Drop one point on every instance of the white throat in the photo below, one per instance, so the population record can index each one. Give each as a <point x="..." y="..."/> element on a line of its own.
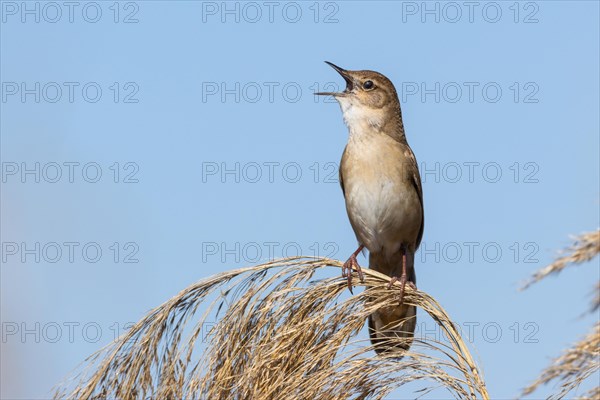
<point x="358" y="118"/>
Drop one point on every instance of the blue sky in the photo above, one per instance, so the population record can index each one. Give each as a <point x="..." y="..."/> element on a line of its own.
<point x="184" y="136"/>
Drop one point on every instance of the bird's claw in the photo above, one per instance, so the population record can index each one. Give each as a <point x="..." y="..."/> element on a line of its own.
<point x="347" y="271"/>
<point x="403" y="282"/>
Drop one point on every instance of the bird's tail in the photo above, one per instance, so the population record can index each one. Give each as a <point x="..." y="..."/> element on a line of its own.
<point x="389" y="324"/>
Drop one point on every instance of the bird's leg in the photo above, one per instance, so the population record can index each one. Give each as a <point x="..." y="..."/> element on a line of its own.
<point x="403" y="277"/>
<point x="347" y="268"/>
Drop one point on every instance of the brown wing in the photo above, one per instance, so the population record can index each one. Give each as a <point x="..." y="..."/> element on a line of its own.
<point x="415" y="178"/>
<point x="340" y="173"/>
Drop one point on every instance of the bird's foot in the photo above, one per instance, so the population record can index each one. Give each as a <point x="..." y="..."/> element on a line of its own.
<point x="349" y="265"/>
<point x="403" y="282"/>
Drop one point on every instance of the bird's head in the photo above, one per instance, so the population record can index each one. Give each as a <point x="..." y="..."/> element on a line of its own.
<point x="369" y="98"/>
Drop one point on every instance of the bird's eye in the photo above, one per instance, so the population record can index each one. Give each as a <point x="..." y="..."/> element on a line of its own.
<point x="368" y="85"/>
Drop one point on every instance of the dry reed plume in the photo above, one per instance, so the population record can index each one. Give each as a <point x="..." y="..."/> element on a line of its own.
<point x="281" y="334"/>
<point x="586" y="247"/>
<point x="581" y="360"/>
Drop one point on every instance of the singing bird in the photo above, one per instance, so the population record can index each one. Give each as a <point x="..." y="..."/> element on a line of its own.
<point x="381" y="184"/>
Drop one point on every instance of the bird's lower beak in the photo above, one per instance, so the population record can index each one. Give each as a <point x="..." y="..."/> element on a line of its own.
<point x="347" y="78"/>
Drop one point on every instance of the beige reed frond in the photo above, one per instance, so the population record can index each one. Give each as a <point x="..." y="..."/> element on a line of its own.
<point x="593" y="394"/>
<point x="583" y="359"/>
<point x="573" y="367"/>
<point x="586" y="247"/>
<point x="278" y="333"/>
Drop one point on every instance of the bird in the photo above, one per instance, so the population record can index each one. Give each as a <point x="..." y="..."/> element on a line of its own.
<point x="382" y="188"/>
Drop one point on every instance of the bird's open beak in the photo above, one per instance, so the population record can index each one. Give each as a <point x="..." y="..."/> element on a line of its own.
<point x="347" y="78"/>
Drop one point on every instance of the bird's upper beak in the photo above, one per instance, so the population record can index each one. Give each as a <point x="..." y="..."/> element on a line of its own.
<point x="347" y="77"/>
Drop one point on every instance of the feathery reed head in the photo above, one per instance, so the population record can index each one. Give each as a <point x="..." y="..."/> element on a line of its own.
<point x="581" y="360"/>
<point x="278" y="334"/>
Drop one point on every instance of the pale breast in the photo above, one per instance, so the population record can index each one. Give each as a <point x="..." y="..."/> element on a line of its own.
<point x="382" y="203"/>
